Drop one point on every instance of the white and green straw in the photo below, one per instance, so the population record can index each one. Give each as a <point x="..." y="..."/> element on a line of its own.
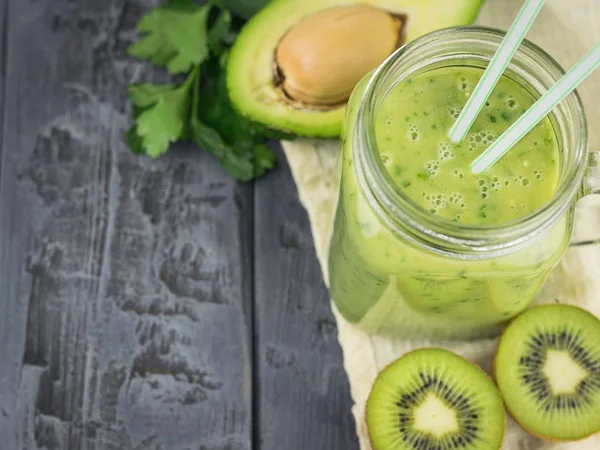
<point x="485" y="86"/>
<point x="538" y="111"/>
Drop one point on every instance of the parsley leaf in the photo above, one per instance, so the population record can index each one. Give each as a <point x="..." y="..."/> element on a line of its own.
<point x="263" y="158"/>
<point x="218" y="129"/>
<point x="134" y="141"/>
<point x="175" y="36"/>
<point x="143" y="95"/>
<point x="192" y="39"/>
<point x="238" y="166"/>
<point x="162" y="114"/>
<point x="242" y="135"/>
<point x="220" y="35"/>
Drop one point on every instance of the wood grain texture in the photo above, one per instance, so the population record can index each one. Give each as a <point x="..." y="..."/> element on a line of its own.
<point x="125" y="306"/>
<point x="4" y="31"/>
<point x="10" y="366"/>
<point x="302" y="396"/>
<point x="126" y="285"/>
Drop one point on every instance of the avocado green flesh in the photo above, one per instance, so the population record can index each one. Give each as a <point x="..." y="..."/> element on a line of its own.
<point x="249" y="71"/>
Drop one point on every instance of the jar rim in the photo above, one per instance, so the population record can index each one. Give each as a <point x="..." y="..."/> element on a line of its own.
<point x="455" y="237"/>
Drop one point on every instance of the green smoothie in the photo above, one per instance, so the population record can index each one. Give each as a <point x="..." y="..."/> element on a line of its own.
<point x="382" y="282"/>
<point x="435" y="174"/>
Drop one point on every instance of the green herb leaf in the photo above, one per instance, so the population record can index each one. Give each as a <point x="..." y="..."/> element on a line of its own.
<point x="263" y="158"/>
<point x="220" y="32"/>
<point x="220" y="130"/>
<point x="134" y="141"/>
<point x="174" y="36"/>
<point x="205" y="137"/>
<point x="164" y="117"/>
<point x="192" y="39"/>
<point x="144" y="95"/>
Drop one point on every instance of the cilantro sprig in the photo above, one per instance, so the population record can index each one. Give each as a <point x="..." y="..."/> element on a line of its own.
<point x="194" y="40"/>
<point x="161" y="113"/>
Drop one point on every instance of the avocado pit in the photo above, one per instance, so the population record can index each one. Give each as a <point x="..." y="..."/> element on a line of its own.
<point x="318" y="61"/>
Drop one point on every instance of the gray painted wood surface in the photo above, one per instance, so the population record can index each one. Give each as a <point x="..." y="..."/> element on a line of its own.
<point x="302" y="389"/>
<point x="145" y="304"/>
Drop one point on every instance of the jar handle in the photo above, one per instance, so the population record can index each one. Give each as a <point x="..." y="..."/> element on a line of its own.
<point x="587" y="211"/>
<point x="593" y="175"/>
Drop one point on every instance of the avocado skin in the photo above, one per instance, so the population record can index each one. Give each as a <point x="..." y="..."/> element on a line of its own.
<point x="318" y="124"/>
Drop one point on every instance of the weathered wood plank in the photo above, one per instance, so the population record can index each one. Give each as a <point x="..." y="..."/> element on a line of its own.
<point x="124" y="307"/>
<point x="302" y="393"/>
<point x="8" y="374"/>
<point x="3" y="56"/>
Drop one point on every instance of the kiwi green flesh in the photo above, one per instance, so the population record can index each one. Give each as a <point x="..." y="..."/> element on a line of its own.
<point x="548" y="370"/>
<point x="431" y="399"/>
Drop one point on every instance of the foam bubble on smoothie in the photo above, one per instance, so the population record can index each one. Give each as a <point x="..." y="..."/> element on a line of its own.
<point x="430" y="199"/>
<point x="472" y="141"/>
<point x="446" y="152"/>
<point x="511" y="102"/>
<point x="413" y="132"/>
<point x="458" y="199"/>
<point x="496" y="184"/>
<point x="463" y="83"/>
<point x="458" y="173"/>
<point x="538" y="174"/>
<point x="483" y="188"/>
<point x="436" y="201"/>
<point x="433" y="167"/>
<point x="480" y="138"/>
<point x="521" y="180"/>
<point x="455" y="112"/>
<point x="487" y="137"/>
<point x="441" y="200"/>
<point x="385" y="159"/>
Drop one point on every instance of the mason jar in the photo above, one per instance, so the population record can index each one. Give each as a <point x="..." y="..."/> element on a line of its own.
<point x="395" y="268"/>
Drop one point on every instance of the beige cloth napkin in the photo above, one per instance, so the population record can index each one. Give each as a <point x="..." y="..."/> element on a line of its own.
<point x="565" y="28"/>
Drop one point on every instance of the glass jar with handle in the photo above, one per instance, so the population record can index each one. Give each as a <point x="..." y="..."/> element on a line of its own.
<point x="398" y="263"/>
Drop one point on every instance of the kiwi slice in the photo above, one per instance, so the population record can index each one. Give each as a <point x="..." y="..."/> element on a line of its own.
<point x="432" y="399"/>
<point x="548" y="370"/>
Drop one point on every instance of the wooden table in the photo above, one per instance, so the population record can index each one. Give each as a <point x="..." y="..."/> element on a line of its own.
<point x="145" y="304"/>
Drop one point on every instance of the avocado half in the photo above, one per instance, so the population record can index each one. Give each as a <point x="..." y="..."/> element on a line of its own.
<point x="254" y="79"/>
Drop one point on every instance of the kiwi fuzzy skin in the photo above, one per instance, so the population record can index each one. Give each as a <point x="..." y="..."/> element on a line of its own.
<point x="495" y="364"/>
<point x="454" y="353"/>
